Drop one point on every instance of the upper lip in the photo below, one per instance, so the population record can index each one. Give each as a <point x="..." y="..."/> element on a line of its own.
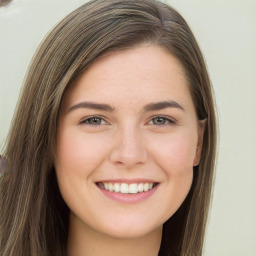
<point x="127" y="181"/>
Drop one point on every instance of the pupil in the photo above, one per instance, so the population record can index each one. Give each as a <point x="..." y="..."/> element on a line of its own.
<point x="159" y="120"/>
<point x="95" y="121"/>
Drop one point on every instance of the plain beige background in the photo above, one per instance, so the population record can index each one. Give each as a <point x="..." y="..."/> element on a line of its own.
<point x="226" y="32"/>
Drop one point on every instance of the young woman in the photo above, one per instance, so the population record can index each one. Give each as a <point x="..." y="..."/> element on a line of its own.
<point x="112" y="147"/>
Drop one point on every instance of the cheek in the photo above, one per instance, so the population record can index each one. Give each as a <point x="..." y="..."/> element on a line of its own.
<point x="175" y="159"/>
<point x="77" y="157"/>
<point x="78" y="152"/>
<point x="175" y="153"/>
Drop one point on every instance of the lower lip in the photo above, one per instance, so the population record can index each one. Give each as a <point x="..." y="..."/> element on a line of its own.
<point x="129" y="198"/>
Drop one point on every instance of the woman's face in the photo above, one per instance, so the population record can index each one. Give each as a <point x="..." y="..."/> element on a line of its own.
<point x="128" y="138"/>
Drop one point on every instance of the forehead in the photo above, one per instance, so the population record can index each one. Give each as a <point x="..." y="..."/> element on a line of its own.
<point x="141" y="74"/>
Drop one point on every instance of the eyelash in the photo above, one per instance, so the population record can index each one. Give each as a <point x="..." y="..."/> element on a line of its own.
<point x="167" y="121"/>
<point x="87" y="120"/>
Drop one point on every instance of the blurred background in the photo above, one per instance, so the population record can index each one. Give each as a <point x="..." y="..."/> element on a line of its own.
<point x="226" y="32"/>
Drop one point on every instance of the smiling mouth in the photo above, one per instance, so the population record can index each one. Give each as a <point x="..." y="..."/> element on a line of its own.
<point x="124" y="188"/>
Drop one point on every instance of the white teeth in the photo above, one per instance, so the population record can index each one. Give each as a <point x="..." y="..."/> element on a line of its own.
<point x="146" y="187"/>
<point x="141" y="187"/>
<point x="133" y="188"/>
<point x="116" y="187"/>
<point x="125" y="188"/>
<point x="110" y="187"/>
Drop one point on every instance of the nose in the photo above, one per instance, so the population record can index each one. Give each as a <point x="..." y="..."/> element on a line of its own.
<point x="129" y="150"/>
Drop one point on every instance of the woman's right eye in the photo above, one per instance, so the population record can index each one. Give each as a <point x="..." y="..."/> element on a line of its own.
<point x="93" y="121"/>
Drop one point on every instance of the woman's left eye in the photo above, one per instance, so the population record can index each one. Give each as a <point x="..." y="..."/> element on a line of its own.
<point x="159" y="121"/>
<point x="94" y="120"/>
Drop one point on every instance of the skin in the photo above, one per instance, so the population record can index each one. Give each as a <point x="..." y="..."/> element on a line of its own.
<point x="126" y="142"/>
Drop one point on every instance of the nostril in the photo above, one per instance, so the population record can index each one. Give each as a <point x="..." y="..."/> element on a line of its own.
<point x="129" y="163"/>
<point x="129" y="156"/>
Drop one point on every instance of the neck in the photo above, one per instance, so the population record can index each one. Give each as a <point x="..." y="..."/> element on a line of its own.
<point x="88" y="242"/>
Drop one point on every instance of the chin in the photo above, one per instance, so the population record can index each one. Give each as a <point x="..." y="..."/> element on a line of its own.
<point x="129" y="227"/>
<point x="131" y="232"/>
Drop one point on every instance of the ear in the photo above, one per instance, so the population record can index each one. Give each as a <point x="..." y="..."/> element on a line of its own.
<point x="200" y="131"/>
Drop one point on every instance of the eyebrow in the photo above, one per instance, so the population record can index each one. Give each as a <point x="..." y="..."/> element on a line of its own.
<point x="162" y="105"/>
<point x="105" y="107"/>
<point x="92" y="105"/>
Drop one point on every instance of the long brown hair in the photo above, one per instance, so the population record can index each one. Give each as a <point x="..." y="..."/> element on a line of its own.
<point x="34" y="217"/>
